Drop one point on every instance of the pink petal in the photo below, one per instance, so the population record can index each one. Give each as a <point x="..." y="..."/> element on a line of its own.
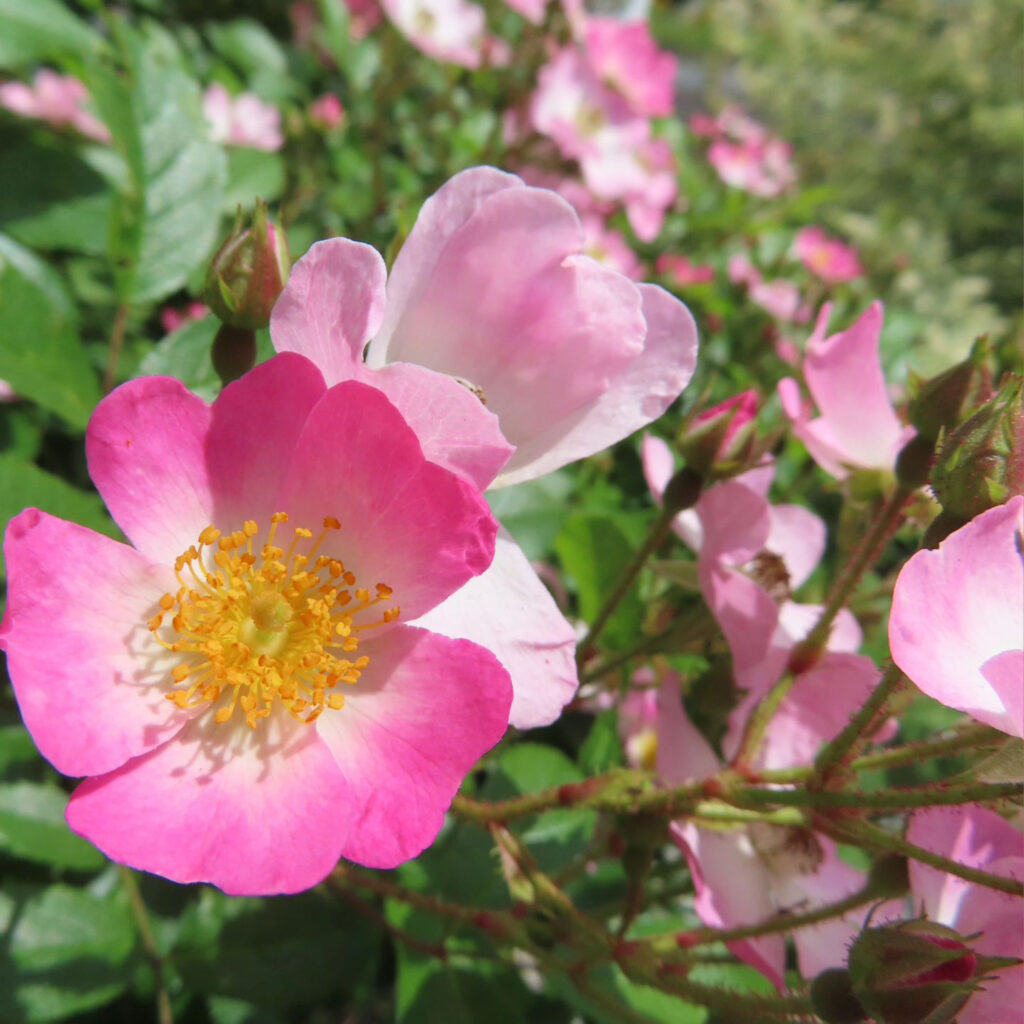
<point x="508" y="610"/>
<point x="404" y="521"/>
<point x="146" y="450"/>
<point x="454" y="427"/>
<point x="88" y="678"/>
<point x="332" y="305"/>
<point x="255" y="426"/>
<point x="425" y="710"/>
<point x="636" y="396"/>
<point x="254" y="812"/>
<point x="844" y="375"/>
<point x="732" y="888"/>
<point x="499" y="299"/>
<point x="798" y="536"/>
<point x="683" y="753"/>
<point x="659" y="466"/>
<point x="955" y="626"/>
<point x="736" y="522"/>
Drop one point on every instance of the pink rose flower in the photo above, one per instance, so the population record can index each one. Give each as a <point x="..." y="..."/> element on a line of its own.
<point x="625" y="57"/>
<point x="326" y="112"/>
<point x="235" y="683"/>
<point x="60" y="100"/>
<point x="447" y="30"/>
<point x="827" y="257"/>
<point x="682" y="272"/>
<point x="858" y="427"/>
<point x="748" y="874"/>
<point x="243" y="120"/>
<point x="957" y="622"/>
<point x="978" y="838"/>
<point x="763" y="169"/>
<point x="780" y="298"/>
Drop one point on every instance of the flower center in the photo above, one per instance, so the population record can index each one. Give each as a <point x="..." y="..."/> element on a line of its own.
<point x="255" y="626"/>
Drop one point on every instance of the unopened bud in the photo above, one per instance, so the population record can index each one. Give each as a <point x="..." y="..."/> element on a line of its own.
<point x="944" y="402"/>
<point x="249" y="271"/>
<point x="913" y="972"/>
<point x="889" y="877"/>
<point x="682" y="491"/>
<point x="914" y="462"/>
<point x="981" y="463"/>
<point x="720" y="441"/>
<point x="233" y="353"/>
<point x="833" y="998"/>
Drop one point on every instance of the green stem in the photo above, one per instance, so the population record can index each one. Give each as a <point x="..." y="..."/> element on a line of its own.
<point x="658" y="532"/>
<point x="865" y="834"/>
<point x="881" y="799"/>
<point x="832" y="754"/>
<point x="971" y="737"/>
<point x="141" y="916"/>
<point x="115" y="345"/>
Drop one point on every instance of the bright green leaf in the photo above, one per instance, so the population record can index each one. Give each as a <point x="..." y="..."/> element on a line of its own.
<point x="32" y="826"/>
<point x="37" y="30"/>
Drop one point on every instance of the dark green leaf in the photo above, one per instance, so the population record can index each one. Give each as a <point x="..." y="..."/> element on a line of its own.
<point x="16" y="747"/>
<point x="185" y="354"/>
<point x="40" y="353"/>
<point x="446" y="993"/>
<point x="602" y="749"/>
<point x="36" y="30"/>
<point x="32" y="826"/>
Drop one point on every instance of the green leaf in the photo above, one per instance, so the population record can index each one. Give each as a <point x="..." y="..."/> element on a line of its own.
<point x="252" y="174"/>
<point x="285" y="951"/>
<point x="185" y="354"/>
<point x="446" y="993"/>
<point x="167" y="216"/>
<point x="16" y="747"/>
<point x="40" y="353"/>
<point x="534" y="512"/>
<point x="32" y="826"/>
<point x="66" y="952"/>
<point x="25" y="485"/>
<point x="53" y="200"/>
<point x="602" y="749"/>
<point x="37" y="30"/>
<point x="595" y="549"/>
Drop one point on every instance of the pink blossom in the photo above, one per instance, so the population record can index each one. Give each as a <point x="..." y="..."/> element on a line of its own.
<point x="780" y="298"/>
<point x="363" y="17"/>
<point x="625" y="57"/>
<point x="532" y="10"/>
<point x="977" y="838"/>
<point x="326" y="112"/>
<point x="704" y="125"/>
<point x="957" y="622"/>
<point x="7" y="393"/>
<point x="243" y="120"/>
<point x="489" y="298"/>
<point x="174" y="317"/>
<point x="638" y="720"/>
<point x="742" y="271"/>
<point x="857" y="427"/>
<point x="609" y="248"/>
<point x="833" y="261"/>
<point x="57" y="99"/>
<point x="682" y="272"/>
<point x="447" y="30"/>
<point x="763" y="168"/>
<point x="252" y="770"/>
<point x="750" y="874"/>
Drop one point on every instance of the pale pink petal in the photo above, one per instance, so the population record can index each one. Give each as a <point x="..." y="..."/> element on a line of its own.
<point x="405" y="522"/>
<point x="146" y="450"/>
<point x="89" y="679"/>
<point x="957" y="612"/>
<point x="635" y="397"/>
<point x="736" y="520"/>
<point x="732" y="888"/>
<point x="659" y="466"/>
<point x="332" y="305"/>
<point x="252" y="811"/>
<point x="256" y="423"/>
<point x="845" y="378"/>
<point x="424" y="711"/>
<point x="454" y="427"/>
<point x="816" y="435"/>
<point x="798" y="536"/>
<point x="508" y="610"/>
<point x="683" y="753"/>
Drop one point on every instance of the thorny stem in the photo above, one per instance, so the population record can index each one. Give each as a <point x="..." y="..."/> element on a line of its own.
<point x="870" y="836"/>
<point x="153" y="954"/>
<point x="115" y="345"/>
<point x="658" y="532"/>
<point x="346" y="875"/>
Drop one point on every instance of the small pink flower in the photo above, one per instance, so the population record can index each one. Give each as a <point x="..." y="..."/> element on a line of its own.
<point x="957" y="621"/>
<point x="764" y="169"/>
<point x="57" y="99"/>
<point x="447" y="30"/>
<point x="326" y="112"/>
<point x="780" y="298"/>
<point x="682" y="272"/>
<point x="173" y="317"/>
<point x="977" y="838"/>
<point x="532" y="10"/>
<point x="235" y="684"/>
<point x="742" y="271"/>
<point x="491" y="300"/>
<point x="857" y="427"/>
<point x="704" y="125"/>
<point x="609" y="248"/>
<point x="832" y="260"/>
<point x="625" y="57"/>
<point x="638" y="720"/>
<point x="243" y="120"/>
<point x="363" y="17"/>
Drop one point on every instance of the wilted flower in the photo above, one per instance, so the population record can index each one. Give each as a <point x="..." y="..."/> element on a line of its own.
<point x="236" y="684"/>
